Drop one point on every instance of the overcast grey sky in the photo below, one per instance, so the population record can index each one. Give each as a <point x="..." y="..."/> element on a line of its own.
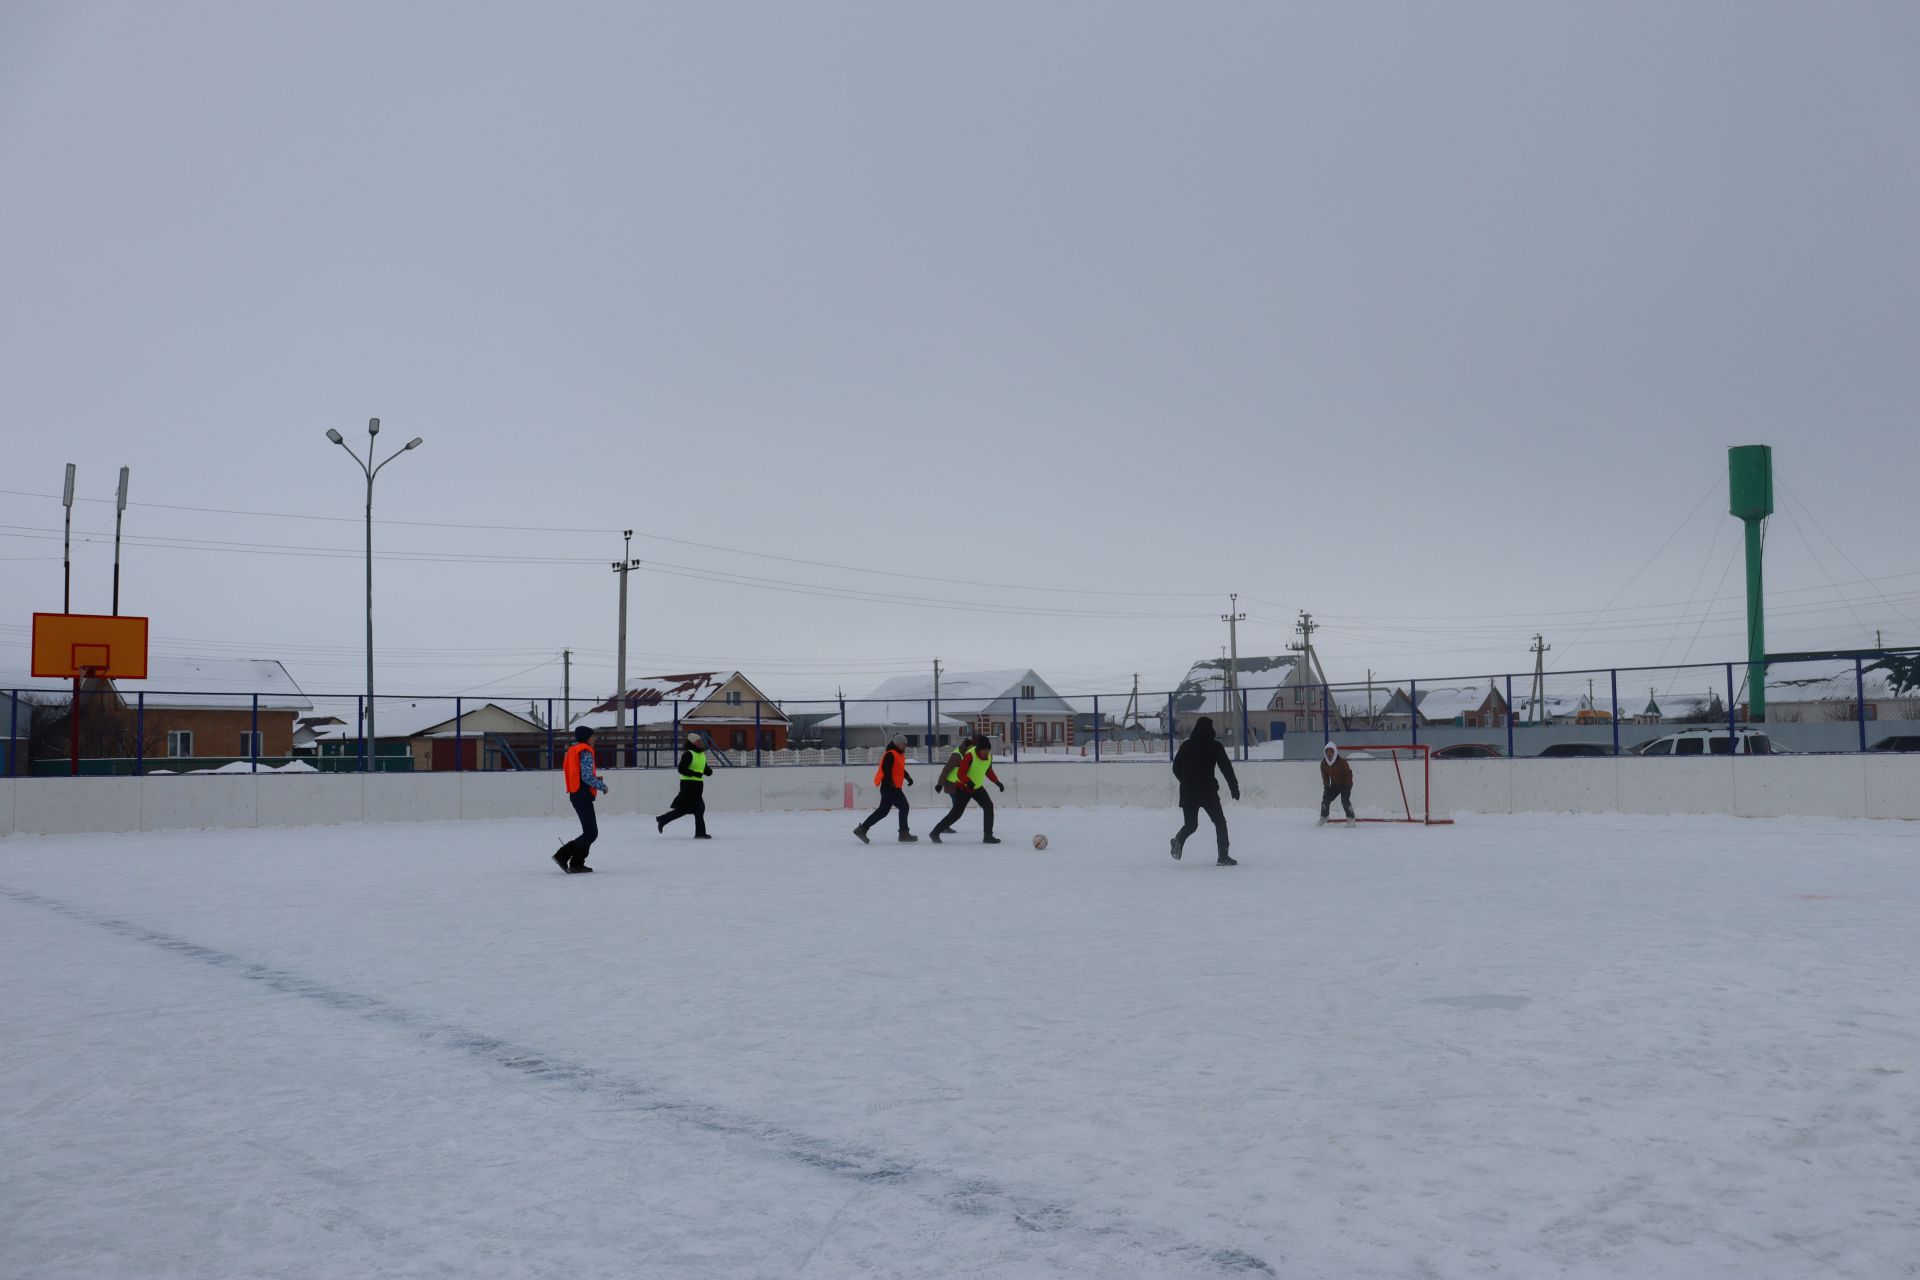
<point x="1433" y="319"/>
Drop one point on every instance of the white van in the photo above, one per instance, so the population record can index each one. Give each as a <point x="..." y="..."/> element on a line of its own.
<point x="1708" y="742"/>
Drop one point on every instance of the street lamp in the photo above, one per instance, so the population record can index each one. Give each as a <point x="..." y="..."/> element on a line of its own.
<point x="370" y="470"/>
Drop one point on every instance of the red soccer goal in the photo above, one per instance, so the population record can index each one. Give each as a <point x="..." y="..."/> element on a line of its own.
<point x="1396" y="777"/>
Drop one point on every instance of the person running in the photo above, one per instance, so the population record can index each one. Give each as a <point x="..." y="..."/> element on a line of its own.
<point x="582" y="781"/>
<point x="890" y="777"/>
<point x="692" y="798"/>
<point x="1194" y="764"/>
<point x="1336" y="779"/>
<point x="966" y="783"/>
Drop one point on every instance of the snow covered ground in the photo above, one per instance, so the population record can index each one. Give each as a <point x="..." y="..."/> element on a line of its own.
<point x="1519" y="1046"/>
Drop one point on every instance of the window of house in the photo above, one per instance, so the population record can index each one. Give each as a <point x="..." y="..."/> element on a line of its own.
<point x="738" y="737"/>
<point x="1026" y="691"/>
<point x="179" y="742"/>
<point x="250" y="744"/>
<point x="913" y="739"/>
<point x="733" y="697"/>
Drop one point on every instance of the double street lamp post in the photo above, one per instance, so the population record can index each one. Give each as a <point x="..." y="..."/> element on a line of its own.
<point x="370" y="469"/>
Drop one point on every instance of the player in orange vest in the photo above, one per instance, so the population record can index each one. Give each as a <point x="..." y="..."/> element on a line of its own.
<point x="582" y="781"/>
<point x="890" y="777"/>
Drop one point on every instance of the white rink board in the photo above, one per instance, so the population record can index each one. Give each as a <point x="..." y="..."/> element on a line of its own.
<point x="1846" y="786"/>
<point x="1526" y="1046"/>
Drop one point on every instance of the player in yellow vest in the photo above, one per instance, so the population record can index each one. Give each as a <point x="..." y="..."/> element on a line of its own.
<point x="692" y="799"/>
<point x="968" y="782"/>
<point x="582" y="781"/>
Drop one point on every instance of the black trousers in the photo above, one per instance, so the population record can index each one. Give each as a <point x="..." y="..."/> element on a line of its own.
<point x="691" y="800"/>
<point x="578" y="847"/>
<point x="1329" y="791"/>
<point x="890" y="798"/>
<point x="1190" y="810"/>
<point x="980" y="797"/>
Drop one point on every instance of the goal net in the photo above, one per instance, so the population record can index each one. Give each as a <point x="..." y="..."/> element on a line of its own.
<point x="1392" y="783"/>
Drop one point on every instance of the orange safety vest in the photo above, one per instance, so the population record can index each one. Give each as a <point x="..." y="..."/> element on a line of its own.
<point x="574" y="753"/>
<point x="892" y="763"/>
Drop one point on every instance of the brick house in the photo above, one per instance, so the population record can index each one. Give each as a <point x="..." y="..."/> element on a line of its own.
<point x="727" y="707"/>
<point x="203" y="709"/>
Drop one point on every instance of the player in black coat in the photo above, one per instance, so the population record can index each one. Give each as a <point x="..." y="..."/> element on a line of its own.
<point x="1194" y="764"/>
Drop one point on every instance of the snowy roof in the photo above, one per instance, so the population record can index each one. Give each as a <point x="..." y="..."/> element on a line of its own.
<point x="216" y="683"/>
<point x="1446" y="702"/>
<point x="655" y="700"/>
<point x="394" y="718"/>
<point x="1803" y="683"/>
<point x="1205" y="687"/>
<point x="971" y="692"/>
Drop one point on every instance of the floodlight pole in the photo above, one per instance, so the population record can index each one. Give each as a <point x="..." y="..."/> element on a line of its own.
<point x="119" y="512"/>
<point x="66" y="553"/>
<point x="370" y="471"/>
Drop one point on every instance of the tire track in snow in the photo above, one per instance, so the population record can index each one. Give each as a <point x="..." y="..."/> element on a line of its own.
<point x="968" y="1196"/>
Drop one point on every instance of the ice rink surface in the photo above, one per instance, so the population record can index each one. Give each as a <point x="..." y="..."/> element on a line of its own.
<point x="1522" y="1046"/>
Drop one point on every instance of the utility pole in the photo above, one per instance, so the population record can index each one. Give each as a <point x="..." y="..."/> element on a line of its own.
<point x="934" y="732"/>
<point x="1132" y="717"/>
<point x="119" y="510"/>
<point x="1370" y="723"/>
<point x="566" y="688"/>
<point x="1538" y="696"/>
<point x="627" y="564"/>
<point x="1233" y="618"/>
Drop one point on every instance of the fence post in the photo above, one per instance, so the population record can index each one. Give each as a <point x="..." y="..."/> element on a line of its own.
<point x="676" y="728"/>
<point x="549" y="733"/>
<point x="633" y="739"/>
<point x="1614" y="676"/>
<point x="1413" y="709"/>
<point x="253" y="739"/>
<point x="1326" y="716"/>
<point x="360" y="726"/>
<point x="459" y="738"/>
<point x="13" y="732"/>
<point x="1013" y="729"/>
<point x="1096" y="728"/>
<point x="1860" y="700"/>
<point x="1509" y="717"/>
<point x="756" y="733"/>
<point x="843" y="734"/>
<point x="1733" y="724"/>
<point x="1173" y="726"/>
<point x="1243" y="726"/>
<point x="929" y="731"/>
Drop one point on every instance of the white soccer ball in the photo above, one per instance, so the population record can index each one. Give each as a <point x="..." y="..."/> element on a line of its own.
<point x="1039" y="842"/>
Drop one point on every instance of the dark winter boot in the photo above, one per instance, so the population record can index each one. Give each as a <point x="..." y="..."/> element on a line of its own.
<point x="1173" y="847"/>
<point x="907" y="837"/>
<point x="860" y="833"/>
<point x="934" y="835"/>
<point x="1226" y="860"/>
<point x="562" y="856"/>
<point x="989" y="839"/>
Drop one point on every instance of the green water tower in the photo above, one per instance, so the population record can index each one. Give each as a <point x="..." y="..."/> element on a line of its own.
<point x="1750" y="499"/>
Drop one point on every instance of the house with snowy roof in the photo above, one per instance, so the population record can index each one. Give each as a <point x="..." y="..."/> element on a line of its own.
<point x="1823" y="692"/>
<point x="1473" y="706"/>
<point x="999" y="704"/>
<point x="418" y="734"/>
<point x="206" y="708"/>
<point x="732" y="711"/>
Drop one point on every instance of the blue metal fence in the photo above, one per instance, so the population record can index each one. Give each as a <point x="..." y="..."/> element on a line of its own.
<point x="1850" y="701"/>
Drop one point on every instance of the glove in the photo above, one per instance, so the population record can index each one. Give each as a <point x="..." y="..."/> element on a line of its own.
<point x="909" y="779"/>
<point x="1234" y="792"/>
<point x="1001" y="785"/>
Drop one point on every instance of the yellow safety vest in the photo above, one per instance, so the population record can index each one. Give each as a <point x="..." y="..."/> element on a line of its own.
<point x="699" y="763"/>
<point x="977" y="766"/>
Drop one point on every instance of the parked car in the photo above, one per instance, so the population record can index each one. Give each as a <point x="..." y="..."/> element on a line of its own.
<point x="1898" y="742"/>
<point x="1708" y="742"/>
<point x="1562" y="750"/>
<point x="1468" y="751"/>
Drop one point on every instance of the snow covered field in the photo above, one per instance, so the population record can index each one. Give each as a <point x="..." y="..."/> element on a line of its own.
<point x="1519" y="1046"/>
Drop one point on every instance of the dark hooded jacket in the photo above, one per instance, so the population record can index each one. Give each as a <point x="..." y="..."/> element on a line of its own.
<point x="1195" y="762"/>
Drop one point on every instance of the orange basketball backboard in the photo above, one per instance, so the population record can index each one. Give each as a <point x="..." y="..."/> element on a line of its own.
<point x="69" y="645"/>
